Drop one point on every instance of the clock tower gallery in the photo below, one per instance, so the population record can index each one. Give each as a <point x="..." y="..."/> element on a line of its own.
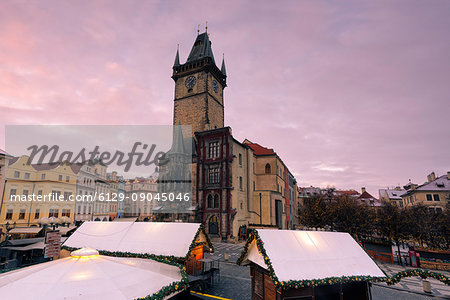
<point x="199" y="86"/>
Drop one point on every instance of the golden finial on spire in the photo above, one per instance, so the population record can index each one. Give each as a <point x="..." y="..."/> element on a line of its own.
<point x="206" y="27"/>
<point x="198" y="29"/>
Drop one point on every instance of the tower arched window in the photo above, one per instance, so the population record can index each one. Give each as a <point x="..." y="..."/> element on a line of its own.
<point x="216" y="201"/>
<point x="268" y="169"/>
<point x="209" y="202"/>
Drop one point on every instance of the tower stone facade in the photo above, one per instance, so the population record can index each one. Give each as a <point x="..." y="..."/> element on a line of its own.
<point x="199" y="86"/>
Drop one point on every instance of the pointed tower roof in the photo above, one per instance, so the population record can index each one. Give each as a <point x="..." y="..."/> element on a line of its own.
<point x="177" y="58"/>
<point x="223" y="69"/>
<point x="178" y="140"/>
<point x="201" y="48"/>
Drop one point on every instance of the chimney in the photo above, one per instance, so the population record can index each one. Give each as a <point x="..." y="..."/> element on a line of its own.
<point x="448" y="175"/>
<point x="363" y="189"/>
<point x="431" y="177"/>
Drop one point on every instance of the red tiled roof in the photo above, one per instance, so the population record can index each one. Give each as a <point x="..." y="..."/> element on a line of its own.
<point x="366" y="195"/>
<point x="349" y="193"/>
<point x="259" y="150"/>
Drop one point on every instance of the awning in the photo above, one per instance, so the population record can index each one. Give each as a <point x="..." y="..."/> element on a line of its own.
<point x="157" y="208"/>
<point x="125" y="220"/>
<point x="25" y="230"/>
<point x="38" y="245"/>
<point x="192" y="208"/>
<point x="65" y="230"/>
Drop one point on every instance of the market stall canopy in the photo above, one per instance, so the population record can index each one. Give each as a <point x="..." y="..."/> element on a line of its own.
<point x="165" y="239"/>
<point x="35" y="246"/>
<point x="87" y="275"/>
<point x="125" y="219"/>
<point x="65" y="230"/>
<point x="308" y="255"/>
<point x="18" y="230"/>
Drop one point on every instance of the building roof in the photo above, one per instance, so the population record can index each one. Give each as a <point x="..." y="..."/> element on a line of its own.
<point x="309" y="255"/>
<point x="441" y="183"/>
<point x="92" y="277"/>
<point x="347" y="193"/>
<point x="201" y="48"/>
<point x="3" y="153"/>
<point x="166" y="239"/>
<point x="258" y="149"/>
<point x="393" y="194"/>
<point x="366" y="195"/>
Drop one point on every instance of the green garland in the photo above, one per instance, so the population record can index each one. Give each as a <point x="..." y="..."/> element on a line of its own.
<point x="417" y="273"/>
<point x="166" y="291"/>
<point x="280" y="285"/>
<point x="170" y="260"/>
<point x="194" y="244"/>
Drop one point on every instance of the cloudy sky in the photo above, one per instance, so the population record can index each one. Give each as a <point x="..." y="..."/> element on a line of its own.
<point x="348" y="93"/>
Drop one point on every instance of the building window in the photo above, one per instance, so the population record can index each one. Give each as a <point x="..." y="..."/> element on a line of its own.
<point x="209" y="201"/>
<point x="213" y="175"/>
<point x="9" y="214"/>
<point x="16" y="174"/>
<point x="56" y="195"/>
<point x="25" y="193"/>
<point x="216" y="201"/>
<point x="27" y="175"/>
<point x="429" y="197"/>
<point x="67" y="178"/>
<point x="65" y="213"/>
<point x="53" y="212"/>
<point x="436" y="197"/>
<point x="67" y="195"/>
<point x="254" y="187"/>
<point x="213" y="150"/>
<point x="240" y="159"/>
<point x="22" y="214"/>
<point x="60" y="177"/>
<point x="13" y="192"/>
<point x="240" y="182"/>
<point x="43" y="176"/>
<point x="37" y="213"/>
<point x="268" y="169"/>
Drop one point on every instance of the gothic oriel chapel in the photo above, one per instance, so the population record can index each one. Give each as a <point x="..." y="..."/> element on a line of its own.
<point x="235" y="185"/>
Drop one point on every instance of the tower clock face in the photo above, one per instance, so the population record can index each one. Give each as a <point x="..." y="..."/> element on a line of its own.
<point x="215" y="86"/>
<point x="190" y="82"/>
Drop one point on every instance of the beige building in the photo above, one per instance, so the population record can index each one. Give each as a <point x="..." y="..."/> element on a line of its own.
<point x="393" y="196"/>
<point x="102" y="193"/>
<point x="434" y="194"/>
<point x="37" y="191"/>
<point x="140" y="198"/>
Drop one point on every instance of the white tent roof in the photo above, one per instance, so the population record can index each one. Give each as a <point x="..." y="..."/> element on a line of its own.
<point x="92" y="277"/>
<point x="136" y="237"/>
<point x="308" y="255"/>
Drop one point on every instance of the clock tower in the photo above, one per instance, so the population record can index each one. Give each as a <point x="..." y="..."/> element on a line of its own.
<point x="199" y="86"/>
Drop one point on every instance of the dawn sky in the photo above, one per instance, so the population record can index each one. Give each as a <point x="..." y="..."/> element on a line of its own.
<point x="348" y="93"/>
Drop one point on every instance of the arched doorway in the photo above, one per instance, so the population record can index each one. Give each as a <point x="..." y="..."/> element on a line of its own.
<point x="213" y="225"/>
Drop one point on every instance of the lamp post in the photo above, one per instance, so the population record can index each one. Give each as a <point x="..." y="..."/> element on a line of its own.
<point x="260" y="210"/>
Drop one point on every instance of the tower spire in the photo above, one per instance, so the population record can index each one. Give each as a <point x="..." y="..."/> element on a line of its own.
<point x="177" y="57"/>
<point x="206" y="27"/>
<point x="223" y="69"/>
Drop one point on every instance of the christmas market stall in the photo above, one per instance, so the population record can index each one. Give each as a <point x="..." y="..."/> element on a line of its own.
<point x="290" y="264"/>
<point x="87" y="275"/>
<point x="181" y="243"/>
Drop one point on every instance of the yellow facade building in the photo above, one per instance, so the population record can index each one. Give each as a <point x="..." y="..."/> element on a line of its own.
<point x="434" y="194"/>
<point x="33" y="192"/>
